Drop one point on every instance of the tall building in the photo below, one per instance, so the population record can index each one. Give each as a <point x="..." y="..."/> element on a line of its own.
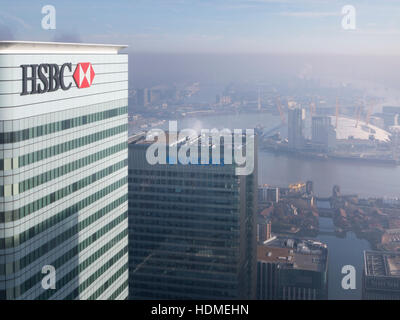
<point x="192" y="229"/>
<point x="263" y="228"/>
<point x="266" y="194"/>
<point x="381" y="277"/>
<point x="309" y="187"/>
<point x="296" y="128"/>
<point x="323" y="132"/>
<point x="390" y="116"/>
<point x="143" y="97"/>
<point x="292" y="269"/>
<point x="155" y="95"/>
<point x="63" y="171"/>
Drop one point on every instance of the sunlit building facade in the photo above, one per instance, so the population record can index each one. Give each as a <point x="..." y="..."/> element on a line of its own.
<point x="63" y="171"/>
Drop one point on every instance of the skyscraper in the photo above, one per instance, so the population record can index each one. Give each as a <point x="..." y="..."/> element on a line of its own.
<point x="264" y="228"/>
<point x="323" y="132"/>
<point x="63" y="171"/>
<point x="295" y="128"/>
<point x="192" y="229"/>
<point x="143" y="97"/>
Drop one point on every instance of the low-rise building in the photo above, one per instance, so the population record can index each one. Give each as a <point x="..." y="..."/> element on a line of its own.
<point x="292" y="269"/>
<point x="381" y="277"/>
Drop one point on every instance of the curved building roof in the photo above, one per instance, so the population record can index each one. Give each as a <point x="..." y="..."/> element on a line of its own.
<point x="347" y="128"/>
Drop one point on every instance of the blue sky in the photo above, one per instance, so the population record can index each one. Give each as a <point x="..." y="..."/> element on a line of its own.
<point x="219" y="26"/>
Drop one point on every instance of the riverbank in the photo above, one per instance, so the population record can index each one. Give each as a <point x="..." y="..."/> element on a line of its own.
<point x="328" y="156"/>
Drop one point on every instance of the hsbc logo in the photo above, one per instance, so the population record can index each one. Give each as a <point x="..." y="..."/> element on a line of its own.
<point x="50" y="77"/>
<point x="84" y="75"/>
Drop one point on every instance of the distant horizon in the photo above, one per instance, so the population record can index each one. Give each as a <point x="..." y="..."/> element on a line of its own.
<point x="248" y="26"/>
<point x="229" y="40"/>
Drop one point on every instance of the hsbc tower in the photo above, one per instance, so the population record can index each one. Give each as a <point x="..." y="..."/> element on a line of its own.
<point x="63" y="171"/>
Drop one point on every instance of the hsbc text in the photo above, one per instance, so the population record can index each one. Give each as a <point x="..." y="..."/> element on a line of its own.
<point x="44" y="77"/>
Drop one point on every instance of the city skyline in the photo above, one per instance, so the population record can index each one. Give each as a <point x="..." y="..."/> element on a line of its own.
<point x="187" y="149"/>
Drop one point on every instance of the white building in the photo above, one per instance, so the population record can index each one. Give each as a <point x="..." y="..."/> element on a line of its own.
<point x="63" y="170"/>
<point x="347" y="128"/>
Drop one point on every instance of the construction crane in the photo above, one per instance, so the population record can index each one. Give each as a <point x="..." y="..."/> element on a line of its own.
<point x="282" y="115"/>
<point x="337" y="112"/>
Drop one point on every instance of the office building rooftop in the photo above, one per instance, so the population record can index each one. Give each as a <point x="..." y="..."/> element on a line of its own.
<point x="166" y="138"/>
<point x="382" y="264"/>
<point x="33" y="47"/>
<point x="294" y="253"/>
<point x="172" y="138"/>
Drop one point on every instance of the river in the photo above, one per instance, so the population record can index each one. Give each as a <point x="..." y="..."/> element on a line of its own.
<point x="364" y="179"/>
<point x="341" y="252"/>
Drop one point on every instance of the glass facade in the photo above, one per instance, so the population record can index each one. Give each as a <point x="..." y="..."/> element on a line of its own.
<point x="63" y="191"/>
<point x="191" y="230"/>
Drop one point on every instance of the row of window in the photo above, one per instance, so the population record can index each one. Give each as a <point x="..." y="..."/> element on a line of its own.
<point x="95" y="256"/>
<point x="186" y="251"/>
<point x="99" y="272"/>
<point x="63" y="170"/>
<point x="187" y="183"/>
<point x="69" y="167"/>
<point x="10" y="242"/>
<point x="61" y="193"/>
<point x="206" y="278"/>
<point x="186" y="264"/>
<point x="151" y="206"/>
<point x="200" y="225"/>
<point x="186" y="233"/>
<point x="61" y="148"/>
<point x="154" y="238"/>
<point x="177" y="198"/>
<point x="196" y="258"/>
<point x="152" y="294"/>
<point x="48" y="246"/>
<point x="117" y="292"/>
<point x="190" y="192"/>
<point x="75" y="272"/>
<point x="374" y="283"/>
<point x="183" y="174"/>
<point x="73" y="254"/>
<point x="62" y="215"/>
<point x="183" y="216"/>
<point x="49" y="128"/>
<point x="155" y="288"/>
<point x="109" y="282"/>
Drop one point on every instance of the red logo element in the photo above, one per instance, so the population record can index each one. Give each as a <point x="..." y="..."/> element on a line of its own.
<point x="84" y="75"/>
